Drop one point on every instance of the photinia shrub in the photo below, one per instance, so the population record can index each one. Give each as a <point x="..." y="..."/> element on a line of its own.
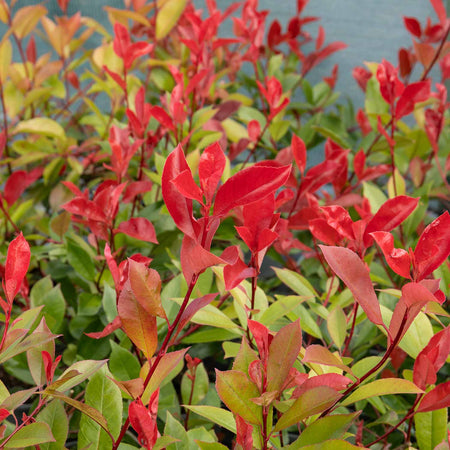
<point x="178" y="272"/>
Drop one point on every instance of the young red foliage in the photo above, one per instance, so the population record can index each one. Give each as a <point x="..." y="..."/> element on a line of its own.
<point x="16" y="267"/>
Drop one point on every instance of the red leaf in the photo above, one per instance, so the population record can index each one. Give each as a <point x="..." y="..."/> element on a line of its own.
<point x="110" y="328"/>
<point x="432" y="358"/>
<point x="135" y="188"/>
<point x="249" y="185"/>
<point x="2" y="142"/>
<point x="17" y="262"/>
<point x="332" y="380"/>
<point x="162" y="117"/>
<point x="362" y="76"/>
<point x="139" y="228"/>
<point x="413" y="26"/>
<point x="433" y="247"/>
<point x="322" y="231"/>
<point x="4" y="413"/>
<point x="440" y="10"/>
<point x="299" y="152"/>
<point x="195" y="259"/>
<point x="116" y="77"/>
<point x="413" y="93"/>
<point x="144" y="421"/>
<point x="415" y="293"/>
<point x="351" y="270"/>
<point x="112" y="265"/>
<point x="437" y="398"/>
<point x="121" y="40"/>
<point x="244" y="433"/>
<point x="398" y="259"/>
<point x="382" y="131"/>
<point x="262" y="338"/>
<point x="254" y="130"/>
<point x="186" y="186"/>
<point x="319" y="175"/>
<point x="180" y="207"/>
<point x="17" y="182"/>
<point x="233" y="274"/>
<point x="210" y="168"/>
<point x="135" y="50"/>
<point x="391" y="214"/>
<point x="85" y="208"/>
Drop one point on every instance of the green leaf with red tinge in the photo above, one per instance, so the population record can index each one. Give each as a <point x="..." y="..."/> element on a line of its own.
<point x="311" y="402"/>
<point x="167" y="364"/>
<point x="137" y="322"/>
<point x="145" y="284"/>
<point x="318" y="354"/>
<point x="236" y="391"/>
<point x="283" y="352"/>
<point x="384" y="386"/>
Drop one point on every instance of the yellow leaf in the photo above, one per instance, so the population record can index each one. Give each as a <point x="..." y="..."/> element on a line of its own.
<point x="168" y="14"/>
<point x="40" y="125"/>
<point x="122" y="16"/>
<point x="4" y="11"/>
<point x="26" y="19"/>
<point x="5" y="59"/>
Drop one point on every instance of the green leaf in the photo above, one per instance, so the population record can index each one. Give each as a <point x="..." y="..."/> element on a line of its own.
<point x="210" y="445"/>
<point x="300" y="285"/>
<point x="40" y="125"/>
<point x="82" y="369"/>
<point x="55" y="417"/>
<point x="375" y="196"/>
<point x="307" y="322"/>
<point x="236" y="391"/>
<point x="384" y="386"/>
<point x="431" y="428"/>
<point x="326" y="132"/>
<point x="54" y="305"/>
<point x="169" y="11"/>
<point x="278" y="129"/>
<point x="337" y="326"/>
<point x="333" y="444"/>
<point x="212" y="316"/>
<point x="86" y="409"/>
<point x="105" y="396"/>
<point x="80" y="259"/>
<point x="329" y="427"/>
<point x="313" y="401"/>
<point x="201" y="386"/>
<point x="279" y="308"/>
<point x="122" y="363"/>
<point x="219" y="416"/>
<point x="33" y="434"/>
<point x="174" y="429"/>
<point x="244" y="357"/>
